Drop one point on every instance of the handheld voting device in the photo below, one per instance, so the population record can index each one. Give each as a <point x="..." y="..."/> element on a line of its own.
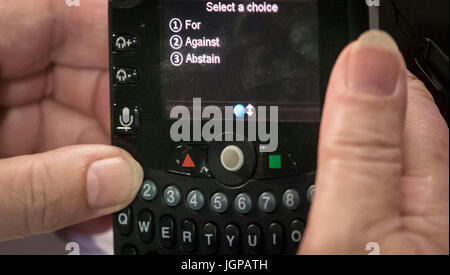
<point x="220" y="102"/>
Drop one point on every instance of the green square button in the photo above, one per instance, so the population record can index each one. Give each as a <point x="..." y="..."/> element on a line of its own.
<point x="274" y="161"/>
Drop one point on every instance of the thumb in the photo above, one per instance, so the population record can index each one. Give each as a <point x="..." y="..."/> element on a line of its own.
<point x="45" y="192"/>
<point x="360" y="149"/>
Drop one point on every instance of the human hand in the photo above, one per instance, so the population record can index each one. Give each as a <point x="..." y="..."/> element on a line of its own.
<point x="54" y="93"/>
<point x="383" y="169"/>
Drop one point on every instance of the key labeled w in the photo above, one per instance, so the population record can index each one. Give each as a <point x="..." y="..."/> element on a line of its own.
<point x="144" y="226"/>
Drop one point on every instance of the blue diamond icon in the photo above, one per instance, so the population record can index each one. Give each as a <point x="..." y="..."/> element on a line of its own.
<point x="239" y="110"/>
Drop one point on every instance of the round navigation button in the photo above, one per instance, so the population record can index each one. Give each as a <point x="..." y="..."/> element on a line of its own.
<point x="231" y="163"/>
<point x="232" y="158"/>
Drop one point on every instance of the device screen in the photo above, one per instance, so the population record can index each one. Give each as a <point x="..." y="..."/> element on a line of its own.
<point x="252" y="53"/>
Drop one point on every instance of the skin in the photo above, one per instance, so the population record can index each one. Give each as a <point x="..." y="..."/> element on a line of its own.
<point x="383" y="163"/>
<point x="402" y="186"/>
<point x="44" y="105"/>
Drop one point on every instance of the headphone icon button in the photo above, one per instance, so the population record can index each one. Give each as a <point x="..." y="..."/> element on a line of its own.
<point x="124" y="42"/>
<point x="125" y="75"/>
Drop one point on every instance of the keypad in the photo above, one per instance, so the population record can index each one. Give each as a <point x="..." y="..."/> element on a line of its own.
<point x="252" y="239"/>
<point x="208" y="238"/>
<point x="211" y="238"/>
<point x="193" y="234"/>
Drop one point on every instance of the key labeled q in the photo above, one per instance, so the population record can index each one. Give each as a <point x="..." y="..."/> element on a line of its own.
<point x="123" y="219"/>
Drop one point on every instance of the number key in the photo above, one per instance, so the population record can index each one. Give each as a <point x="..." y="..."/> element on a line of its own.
<point x="291" y="199"/>
<point x="195" y="200"/>
<point x="219" y="203"/>
<point x="172" y="196"/>
<point x="267" y="202"/>
<point x="148" y="190"/>
<point x="243" y="203"/>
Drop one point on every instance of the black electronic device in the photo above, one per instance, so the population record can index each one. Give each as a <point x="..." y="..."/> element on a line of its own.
<point x="231" y="188"/>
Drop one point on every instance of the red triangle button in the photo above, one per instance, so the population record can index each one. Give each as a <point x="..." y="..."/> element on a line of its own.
<point x="188" y="163"/>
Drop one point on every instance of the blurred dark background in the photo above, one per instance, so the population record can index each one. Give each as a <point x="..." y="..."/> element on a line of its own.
<point x="428" y="18"/>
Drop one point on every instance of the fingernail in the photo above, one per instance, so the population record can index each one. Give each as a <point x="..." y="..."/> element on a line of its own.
<point x="375" y="64"/>
<point x="113" y="182"/>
